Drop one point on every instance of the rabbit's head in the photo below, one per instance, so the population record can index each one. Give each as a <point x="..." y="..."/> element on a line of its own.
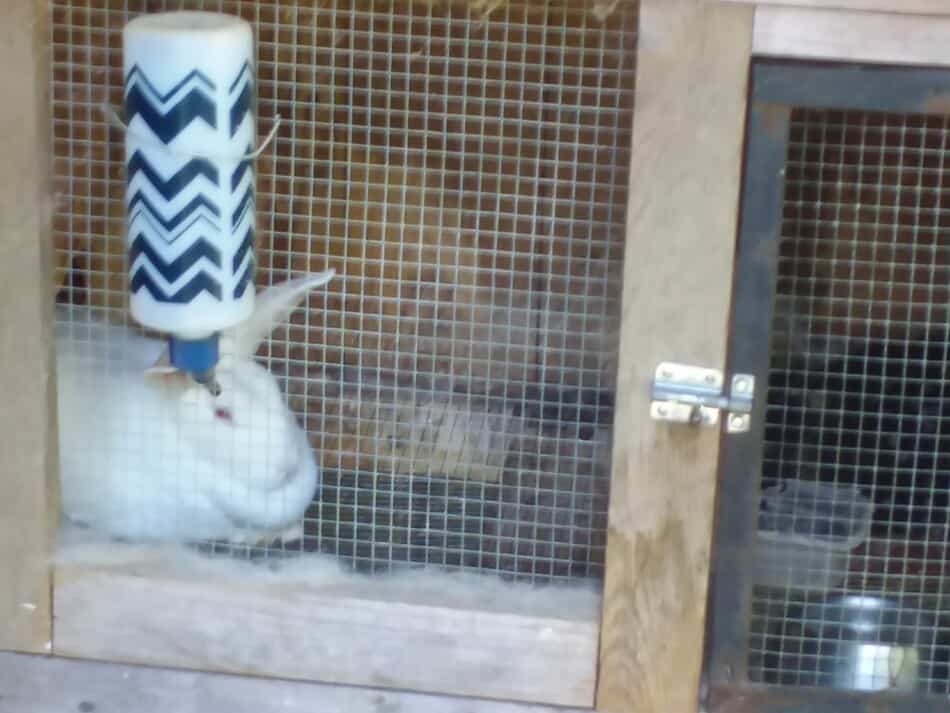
<point x="247" y="428"/>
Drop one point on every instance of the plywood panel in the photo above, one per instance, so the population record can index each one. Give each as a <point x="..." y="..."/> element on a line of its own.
<point x="334" y="632"/>
<point x="26" y="437"/>
<point x="681" y="229"/>
<point x="908" y="7"/>
<point x="841" y="35"/>
<point x="29" y="684"/>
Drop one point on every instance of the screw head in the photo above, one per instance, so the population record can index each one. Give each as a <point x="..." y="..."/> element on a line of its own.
<point x="738" y="422"/>
<point x="741" y="386"/>
<point x="710" y="378"/>
<point x="662" y="410"/>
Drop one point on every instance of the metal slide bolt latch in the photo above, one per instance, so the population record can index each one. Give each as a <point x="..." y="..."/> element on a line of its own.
<point x="694" y="395"/>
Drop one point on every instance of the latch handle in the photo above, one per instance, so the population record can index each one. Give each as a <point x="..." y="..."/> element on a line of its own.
<point x="694" y="395"/>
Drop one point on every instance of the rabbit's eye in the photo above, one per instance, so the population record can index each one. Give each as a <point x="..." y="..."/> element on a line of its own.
<point x="223" y="414"/>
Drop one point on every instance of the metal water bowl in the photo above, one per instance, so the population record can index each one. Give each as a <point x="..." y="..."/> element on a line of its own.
<point x="859" y="643"/>
<point x="866" y="647"/>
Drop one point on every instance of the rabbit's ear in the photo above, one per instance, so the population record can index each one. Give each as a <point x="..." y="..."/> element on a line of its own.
<point x="271" y="307"/>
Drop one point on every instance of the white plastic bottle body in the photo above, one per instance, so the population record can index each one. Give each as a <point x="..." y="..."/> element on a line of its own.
<point x="189" y="105"/>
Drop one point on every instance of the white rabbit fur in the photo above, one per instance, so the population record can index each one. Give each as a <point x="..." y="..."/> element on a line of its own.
<point x="147" y="454"/>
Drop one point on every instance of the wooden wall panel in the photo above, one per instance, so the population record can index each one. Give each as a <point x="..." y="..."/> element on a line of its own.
<point x="27" y="440"/>
<point x="907" y="7"/>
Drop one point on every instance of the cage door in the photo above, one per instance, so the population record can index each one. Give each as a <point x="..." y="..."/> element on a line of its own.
<point x="828" y="575"/>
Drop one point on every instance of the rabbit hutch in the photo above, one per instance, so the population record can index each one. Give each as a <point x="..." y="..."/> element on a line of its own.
<point x="597" y="351"/>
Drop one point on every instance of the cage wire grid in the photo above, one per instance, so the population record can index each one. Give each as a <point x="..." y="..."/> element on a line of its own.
<point x="466" y="176"/>
<point x="856" y="397"/>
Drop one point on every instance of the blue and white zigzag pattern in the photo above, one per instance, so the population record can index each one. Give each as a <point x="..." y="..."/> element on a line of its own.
<point x="168" y="114"/>
<point x="240" y="94"/>
<point x="177" y="229"/>
<point x="242" y="223"/>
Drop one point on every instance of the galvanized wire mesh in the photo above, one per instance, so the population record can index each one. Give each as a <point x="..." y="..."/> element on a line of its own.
<point x="857" y="404"/>
<point x="466" y="176"/>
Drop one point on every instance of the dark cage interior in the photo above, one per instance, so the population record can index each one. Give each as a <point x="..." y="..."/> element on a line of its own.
<point x="463" y="167"/>
<point x="857" y="396"/>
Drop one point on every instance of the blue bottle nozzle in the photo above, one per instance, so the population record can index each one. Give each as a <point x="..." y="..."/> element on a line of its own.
<point x="198" y="357"/>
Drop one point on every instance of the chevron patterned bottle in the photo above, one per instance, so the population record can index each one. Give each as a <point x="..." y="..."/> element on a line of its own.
<point x="189" y="88"/>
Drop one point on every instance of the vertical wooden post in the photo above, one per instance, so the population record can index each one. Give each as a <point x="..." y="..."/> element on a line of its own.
<point x="27" y="392"/>
<point x="692" y="80"/>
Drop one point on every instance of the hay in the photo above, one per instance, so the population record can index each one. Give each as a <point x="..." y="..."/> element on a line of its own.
<point x="324" y="574"/>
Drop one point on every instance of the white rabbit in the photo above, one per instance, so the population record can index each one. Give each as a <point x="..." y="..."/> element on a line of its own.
<point x="148" y="454"/>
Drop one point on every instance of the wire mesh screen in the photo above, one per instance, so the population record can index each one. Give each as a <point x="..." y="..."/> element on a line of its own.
<point x="463" y="167"/>
<point x="854" y="520"/>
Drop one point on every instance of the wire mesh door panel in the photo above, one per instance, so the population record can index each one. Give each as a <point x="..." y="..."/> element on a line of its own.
<point x="830" y="561"/>
<point x="463" y="167"/>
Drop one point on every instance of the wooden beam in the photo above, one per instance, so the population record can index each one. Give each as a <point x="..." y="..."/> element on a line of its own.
<point x="30" y="684"/>
<point x="904" y="7"/>
<point x="27" y="431"/>
<point x="802" y="33"/>
<point x="688" y="129"/>
<point x="355" y="631"/>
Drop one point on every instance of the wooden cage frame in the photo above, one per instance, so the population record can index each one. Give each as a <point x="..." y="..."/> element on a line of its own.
<point x="645" y="654"/>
